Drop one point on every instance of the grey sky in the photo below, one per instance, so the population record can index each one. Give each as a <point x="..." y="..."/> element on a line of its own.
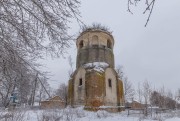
<point x="150" y="53"/>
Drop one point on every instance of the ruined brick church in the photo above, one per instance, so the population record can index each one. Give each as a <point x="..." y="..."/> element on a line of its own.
<point x="95" y="83"/>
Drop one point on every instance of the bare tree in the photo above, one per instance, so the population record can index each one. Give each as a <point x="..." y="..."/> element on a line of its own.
<point x="16" y="77"/>
<point x="70" y="72"/>
<point x="170" y="101"/>
<point x="11" y="71"/>
<point x="149" y="7"/>
<point x="177" y="98"/>
<point x="120" y="72"/>
<point x="44" y="90"/>
<point x="62" y="92"/>
<point x="162" y="101"/>
<point x="178" y="92"/>
<point x="28" y="30"/>
<point x="129" y="91"/>
<point x="146" y="94"/>
<point x="36" y="25"/>
<point x="177" y="95"/>
<point x="139" y="93"/>
<point x="157" y="98"/>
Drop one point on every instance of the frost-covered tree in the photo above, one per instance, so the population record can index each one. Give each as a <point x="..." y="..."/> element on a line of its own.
<point x="28" y="30"/>
<point x="36" y="25"/>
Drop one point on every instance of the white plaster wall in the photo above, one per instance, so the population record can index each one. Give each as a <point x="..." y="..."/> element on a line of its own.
<point x="79" y="91"/>
<point x="111" y="92"/>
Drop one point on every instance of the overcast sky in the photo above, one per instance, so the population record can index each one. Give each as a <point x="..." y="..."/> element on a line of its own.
<point x="151" y="53"/>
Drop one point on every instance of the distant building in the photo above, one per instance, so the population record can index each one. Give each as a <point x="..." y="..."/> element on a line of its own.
<point x="135" y="105"/>
<point x="95" y="82"/>
<point x="55" y="102"/>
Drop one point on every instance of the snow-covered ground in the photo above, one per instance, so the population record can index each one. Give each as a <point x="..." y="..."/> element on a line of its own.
<point x="78" y="114"/>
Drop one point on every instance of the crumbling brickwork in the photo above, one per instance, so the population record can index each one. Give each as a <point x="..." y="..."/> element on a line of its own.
<point x="95" y="83"/>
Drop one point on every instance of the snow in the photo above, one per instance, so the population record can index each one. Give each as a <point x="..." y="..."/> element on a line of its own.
<point x="111" y="106"/>
<point x="78" y="114"/>
<point x="173" y="119"/>
<point x="97" y="66"/>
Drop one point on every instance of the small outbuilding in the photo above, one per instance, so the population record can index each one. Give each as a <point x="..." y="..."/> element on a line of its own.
<point x="54" y="102"/>
<point x="135" y="105"/>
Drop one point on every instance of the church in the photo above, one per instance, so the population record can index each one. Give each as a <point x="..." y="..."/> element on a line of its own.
<point x="95" y="83"/>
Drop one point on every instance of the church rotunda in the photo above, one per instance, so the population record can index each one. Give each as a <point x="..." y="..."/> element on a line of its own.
<point x="95" y="83"/>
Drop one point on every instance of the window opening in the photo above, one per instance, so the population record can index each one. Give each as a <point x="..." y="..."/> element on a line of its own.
<point x="108" y="44"/>
<point x="110" y="82"/>
<point x="80" y="81"/>
<point x="81" y="44"/>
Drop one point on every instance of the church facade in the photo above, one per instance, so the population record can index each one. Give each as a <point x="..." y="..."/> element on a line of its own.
<point x="95" y="83"/>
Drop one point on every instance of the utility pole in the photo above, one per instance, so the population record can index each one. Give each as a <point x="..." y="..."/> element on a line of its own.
<point x="44" y="87"/>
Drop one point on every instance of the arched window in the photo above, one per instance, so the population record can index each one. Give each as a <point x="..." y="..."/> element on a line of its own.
<point x="80" y="82"/>
<point x="109" y="82"/>
<point x="81" y="44"/>
<point x="95" y="40"/>
<point x="109" y="44"/>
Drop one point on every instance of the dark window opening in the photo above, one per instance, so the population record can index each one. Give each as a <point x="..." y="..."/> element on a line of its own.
<point x="108" y="44"/>
<point x="80" y="81"/>
<point x="81" y="44"/>
<point x="110" y="82"/>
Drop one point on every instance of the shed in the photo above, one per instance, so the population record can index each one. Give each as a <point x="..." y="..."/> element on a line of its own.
<point x="54" y="102"/>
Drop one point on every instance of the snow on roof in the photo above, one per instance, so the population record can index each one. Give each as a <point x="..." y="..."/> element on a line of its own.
<point x="97" y="66"/>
